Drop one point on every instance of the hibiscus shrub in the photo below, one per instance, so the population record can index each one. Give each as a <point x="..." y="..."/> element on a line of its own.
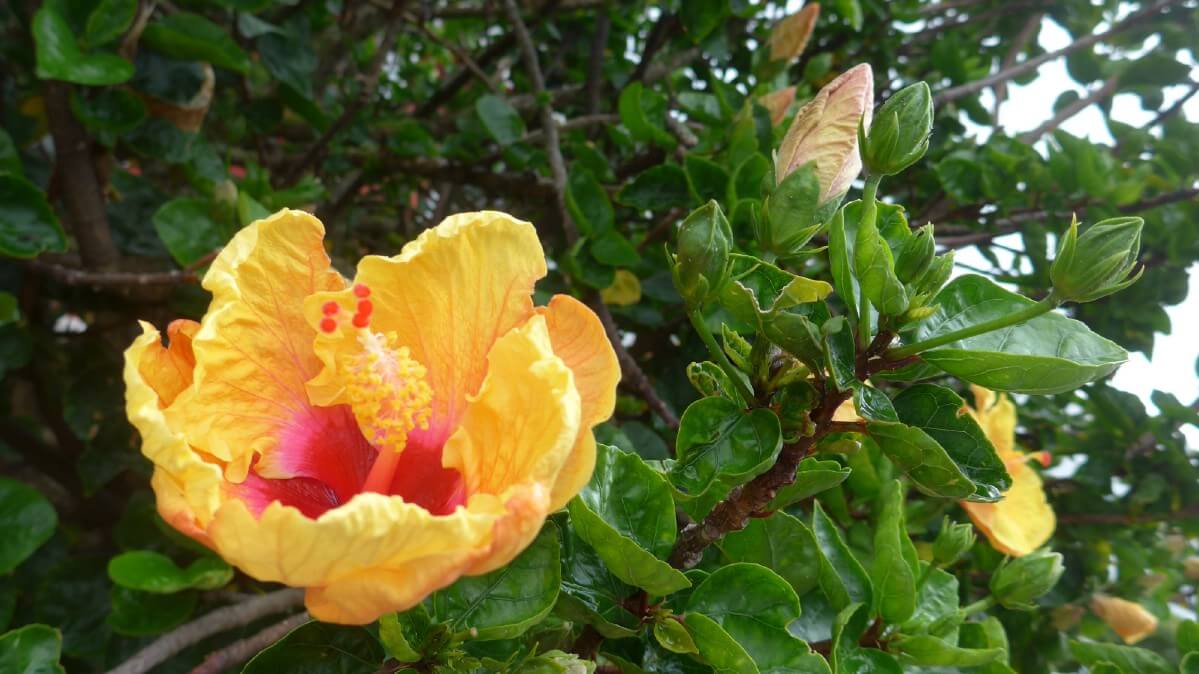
<point x="583" y="336"/>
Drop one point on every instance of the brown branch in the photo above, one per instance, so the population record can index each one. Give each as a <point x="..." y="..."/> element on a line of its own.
<point x="369" y="83"/>
<point x="81" y="189"/>
<point x="1102" y="93"/>
<point x="595" y="60"/>
<point x="1174" y="109"/>
<point x="1005" y="74"/>
<point x="1147" y="442"/>
<point x="1125" y="519"/>
<point x="220" y="620"/>
<point x="463" y="57"/>
<point x="239" y="652"/>
<point x="488" y="9"/>
<point x="581" y="122"/>
<point x="941" y="7"/>
<point x="631" y="373"/>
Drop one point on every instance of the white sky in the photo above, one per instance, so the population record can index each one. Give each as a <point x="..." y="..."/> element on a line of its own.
<point x="1173" y="363"/>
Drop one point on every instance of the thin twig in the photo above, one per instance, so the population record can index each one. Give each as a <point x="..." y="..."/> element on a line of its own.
<point x="370" y="82"/>
<point x="940" y="7"/>
<point x="1003" y="75"/>
<point x="239" y="652"/>
<point x="220" y="620"/>
<point x="1102" y="93"/>
<point x="462" y="56"/>
<point x="595" y="60"/>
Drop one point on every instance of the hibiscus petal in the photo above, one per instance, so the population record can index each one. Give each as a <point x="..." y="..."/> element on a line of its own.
<point x="578" y="338"/>
<point x="253" y="351"/>
<point x="168" y="369"/>
<point x="448" y="296"/>
<point x="1023" y="521"/>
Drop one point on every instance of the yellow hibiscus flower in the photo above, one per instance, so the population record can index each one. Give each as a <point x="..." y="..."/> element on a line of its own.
<point x="1023" y="521"/>
<point x="371" y="441"/>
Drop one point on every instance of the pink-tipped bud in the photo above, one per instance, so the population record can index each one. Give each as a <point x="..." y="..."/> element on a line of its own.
<point x="825" y="131"/>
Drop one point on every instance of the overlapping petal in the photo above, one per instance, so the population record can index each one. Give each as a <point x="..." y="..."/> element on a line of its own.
<point x="1128" y="619"/>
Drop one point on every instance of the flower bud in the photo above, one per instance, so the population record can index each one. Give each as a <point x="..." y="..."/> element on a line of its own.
<point x="1018" y="582"/>
<point x="1098" y="262"/>
<point x="701" y="265"/>
<point x="915" y="255"/>
<point x="1128" y="619"/>
<point x="823" y="131"/>
<point x="934" y="277"/>
<point x="899" y="135"/>
<point x="954" y="540"/>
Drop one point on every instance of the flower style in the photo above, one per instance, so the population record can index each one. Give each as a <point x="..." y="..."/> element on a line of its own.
<point x="825" y="131"/>
<point x="1128" y="619"/>
<point x="1023" y="520"/>
<point x="371" y="441"/>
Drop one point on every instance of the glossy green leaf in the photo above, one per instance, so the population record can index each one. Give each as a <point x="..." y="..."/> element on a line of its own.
<point x="506" y="602"/>
<point x="893" y="579"/>
<point x="928" y="650"/>
<point x="749" y="177"/>
<point x="936" y="600"/>
<point x="781" y="543"/>
<point x="10" y="159"/>
<point x="718" y="441"/>
<point x="938" y="412"/>
<point x="500" y="119"/>
<point x="922" y="459"/>
<point x="867" y="661"/>
<point x="702" y="17"/>
<point x="27" y="520"/>
<point x="842" y="576"/>
<point x="112" y="110"/>
<point x="109" y="20"/>
<point x="874" y="267"/>
<point x="643" y="113"/>
<point x="150" y="571"/>
<point x="756" y="288"/>
<point x="706" y="178"/>
<point x="1049" y="354"/>
<point x="1127" y="658"/>
<point x="793" y="212"/>
<point x="673" y="636"/>
<point x="189" y="230"/>
<point x="32" y="649"/>
<point x="814" y="476"/>
<point x="656" y="189"/>
<point x="848" y="627"/>
<point x="404" y="633"/>
<point x="60" y="58"/>
<point x="613" y="249"/>
<point x="142" y="614"/>
<point x="591" y="593"/>
<point x="840" y="353"/>
<point x="842" y="235"/>
<point x="589" y="204"/>
<point x="292" y="61"/>
<point x="1187" y="636"/>
<point x="194" y="38"/>
<point x="28" y="225"/>
<point x="320" y="648"/>
<point x="717" y="647"/>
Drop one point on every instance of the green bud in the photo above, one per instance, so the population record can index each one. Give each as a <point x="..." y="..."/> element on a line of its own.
<point x="899" y="135"/>
<point x="1098" y="262"/>
<point x="554" y="662"/>
<point x="954" y="540"/>
<point x="915" y="255"/>
<point x="875" y="268"/>
<point x="793" y="213"/>
<point x="701" y="264"/>
<point x="934" y="277"/>
<point x="798" y="336"/>
<point x="1018" y="582"/>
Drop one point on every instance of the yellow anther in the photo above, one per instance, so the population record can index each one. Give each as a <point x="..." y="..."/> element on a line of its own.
<point x="387" y="390"/>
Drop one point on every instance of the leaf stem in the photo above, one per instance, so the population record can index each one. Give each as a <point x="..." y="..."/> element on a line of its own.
<point x="1051" y="302"/>
<point x="718" y="355"/>
<point x="978" y="606"/>
<point x="869" y="215"/>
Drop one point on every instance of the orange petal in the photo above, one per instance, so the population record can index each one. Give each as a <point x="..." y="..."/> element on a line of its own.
<point x="448" y="296"/>
<point x="168" y="369"/>
<point x="253" y="351"/>
<point x="1128" y="619"/>
<point x="1023" y="521"/>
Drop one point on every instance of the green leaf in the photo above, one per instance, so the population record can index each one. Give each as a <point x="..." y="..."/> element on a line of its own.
<point x="749" y="178"/>
<point x="874" y="267"/>
<point x="591" y="593"/>
<point x="936" y="600"/>
<point x="757" y="288"/>
<point x="9" y="311"/>
<point x="643" y="113"/>
<point x="922" y="459"/>
<point x="188" y="229"/>
<point x="851" y="11"/>
<point x="1049" y="354"/>
<point x="109" y="20"/>
<point x="142" y="614"/>
<point x="192" y="37"/>
<point x="842" y="234"/>
<point x="403" y="634"/>
<point x="842" y="577"/>
<point x="848" y="627"/>
<point x="754" y="606"/>
<point x="813" y="477"/>
<point x="720" y="442"/>
<point x="1187" y="636"/>
<point x="717" y="647"/>
<point x="10" y="158"/>
<point x="320" y="648"/>
<point x="32" y="649"/>
<point x="938" y="411"/>
<point x="292" y="61"/>
<point x="928" y="650"/>
<point x="614" y="250"/>
<point x="114" y="111"/>
<point x="28" y="226"/>
<point x="500" y="119"/>
<point x="893" y="579"/>
<point x="781" y="543"/>
<point x="867" y="661"/>
<point x="706" y="178"/>
<point x="248" y="209"/>
<point x="657" y="189"/>
<point x="150" y="571"/>
<point x="27" y="520"/>
<point x="673" y="636"/>
<point x="702" y="17"/>
<point x="1127" y="658"/>
<point x="794" y="211"/>
<point x="506" y="602"/>
<point x="60" y="58"/>
<point x="626" y="513"/>
<point x="589" y="204"/>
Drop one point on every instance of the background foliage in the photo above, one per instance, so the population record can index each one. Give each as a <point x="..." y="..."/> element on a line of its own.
<point x="138" y="136"/>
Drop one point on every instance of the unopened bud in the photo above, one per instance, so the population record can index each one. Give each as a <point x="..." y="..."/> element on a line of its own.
<point x="701" y="265"/>
<point x="935" y="276"/>
<point x="1099" y="262"/>
<point x="900" y="132"/>
<point x="915" y="255"/>
<point x="953" y="541"/>
<point x="1019" y="582"/>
